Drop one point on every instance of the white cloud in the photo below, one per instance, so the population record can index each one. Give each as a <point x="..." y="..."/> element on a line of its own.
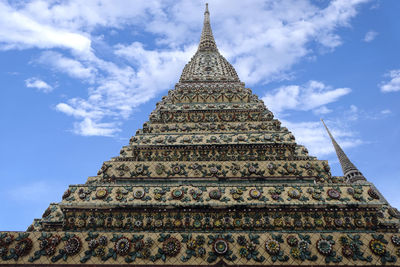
<point x="262" y="39"/>
<point x="120" y="88"/>
<point x="38" y="84"/>
<point x="19" y="30"/>
<point x="370" y="36"/>
<point x="72" y="67"/>
<point x="88" y="127"/>
<point x="394" y="84"/>
<point x="313" y="136"/>
<point x="322" y="110"/>
<point x="386" y="111"/>
<point x="312" y="96"/>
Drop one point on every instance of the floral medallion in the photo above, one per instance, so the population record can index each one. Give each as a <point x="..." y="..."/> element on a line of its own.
<point x="373" y="194"/>
<point x="255" y="193"/>
<point x="176" y="169"/>
<point x="158" y="223"/>
<point x="139" y="169"/>
<point x="138" y="223"/>
<point x="138" y="193"/>
<point x="237" y="223"/>
<point x="270" y="166"/>
<point x="177" y="193"/>
<point x="101" y="193"/>
<point x="324" y="247"/>
<point x="272" y="246"/>
<point x="252" y="169"/>
<point x="178" y="223"/>
<point x="338" y="222"/>
<point x="377" y="247"/>
<point x="23" y="247"/>
<point x="220" y="246"/>
<point x="171" y="246"/>
<point x="359" y="223"/>
<point x="333" y="193"/>
<point x="73" y="245"/>
<point x="350" y="191"/>
<point x="122" y="246"/>
<point x="197" y="224"/>
<point x="294" y="193"/>
<point x="215" y="194"/>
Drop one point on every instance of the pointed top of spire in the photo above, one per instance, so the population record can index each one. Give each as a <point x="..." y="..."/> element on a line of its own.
<point x="207" y="42"/>
<point x="350" y="172"/>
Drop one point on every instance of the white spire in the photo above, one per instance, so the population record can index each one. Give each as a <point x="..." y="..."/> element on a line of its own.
<point x="350" y="172"/>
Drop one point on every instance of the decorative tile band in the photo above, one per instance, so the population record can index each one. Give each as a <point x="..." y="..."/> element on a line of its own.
<point x="199" y="249"/>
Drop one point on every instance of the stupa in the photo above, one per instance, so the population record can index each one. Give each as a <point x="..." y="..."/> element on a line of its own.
<point x="213" y="179"/>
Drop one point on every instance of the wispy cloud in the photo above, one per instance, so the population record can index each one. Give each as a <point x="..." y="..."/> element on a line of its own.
<point x="370" y="36"/>
<point x="38" y="84"/>
<point x="312" y="96"/>
<point x="393" y="84"/>
<point x="73" y="67"/>
<point x="263" y="41"/>
<point x="313" y="135"/>
<point x="20" y="30"/>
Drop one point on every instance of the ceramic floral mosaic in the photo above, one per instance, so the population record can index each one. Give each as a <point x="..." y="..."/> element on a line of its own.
<point x="212" y="178"/>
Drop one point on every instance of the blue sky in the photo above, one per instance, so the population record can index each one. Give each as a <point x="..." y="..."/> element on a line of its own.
<point x="79" y="77"/>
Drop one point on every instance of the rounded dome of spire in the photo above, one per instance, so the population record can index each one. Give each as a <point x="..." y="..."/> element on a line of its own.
<point x="208" y="64"/>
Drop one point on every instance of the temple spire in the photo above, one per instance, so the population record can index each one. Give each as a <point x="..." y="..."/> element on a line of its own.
<point x="350" y="172"/>
<point x="207" y="42"/>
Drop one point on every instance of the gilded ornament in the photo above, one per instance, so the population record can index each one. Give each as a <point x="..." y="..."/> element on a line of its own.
<point x="272" y="246"/>
<point x="255" y="193"/>
<point x="377" y="247"/>
<point x="101" y="193"/>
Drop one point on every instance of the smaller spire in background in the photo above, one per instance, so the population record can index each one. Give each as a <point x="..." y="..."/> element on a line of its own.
<point x="350" y="172"/>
